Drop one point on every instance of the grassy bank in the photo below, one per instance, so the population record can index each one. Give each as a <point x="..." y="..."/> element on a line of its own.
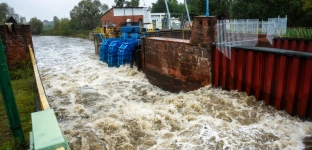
<point x="300" y="33"/>
<point x="71" y="33"/>
<point x="21" y="80"/>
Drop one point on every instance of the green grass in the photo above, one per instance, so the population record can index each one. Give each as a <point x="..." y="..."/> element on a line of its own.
<point x="300" y="33"/>
<point x="21" y="80"/>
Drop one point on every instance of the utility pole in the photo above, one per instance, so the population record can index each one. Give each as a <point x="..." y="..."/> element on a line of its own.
<point x="9" y="100"/>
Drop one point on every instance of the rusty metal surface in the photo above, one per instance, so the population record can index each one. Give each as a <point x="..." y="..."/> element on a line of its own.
<point x="281" y="78"/>
<point x="293" y="44"/>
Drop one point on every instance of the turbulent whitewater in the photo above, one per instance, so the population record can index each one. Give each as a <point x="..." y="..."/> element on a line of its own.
<point x="116" y="108"/>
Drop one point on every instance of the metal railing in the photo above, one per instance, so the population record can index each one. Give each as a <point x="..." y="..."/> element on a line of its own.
<point x="42" y="97"/>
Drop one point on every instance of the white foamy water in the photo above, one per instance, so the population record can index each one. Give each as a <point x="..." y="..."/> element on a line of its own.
<point x="116" y="108"/>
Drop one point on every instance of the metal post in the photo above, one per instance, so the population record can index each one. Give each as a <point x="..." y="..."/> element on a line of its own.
<point x="168" y="14"/>
<point x="207" y="7"/>
<point x="9" y="100"/>
<point x="188" y="15"/>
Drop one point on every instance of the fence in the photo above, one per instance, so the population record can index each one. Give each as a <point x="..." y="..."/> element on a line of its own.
<point x="236" y="32"/>
<point x="281" y="78"/>
<point x="244" y="32"/>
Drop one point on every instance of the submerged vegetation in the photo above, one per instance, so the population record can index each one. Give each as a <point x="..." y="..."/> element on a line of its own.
<point x="21" y="80"/>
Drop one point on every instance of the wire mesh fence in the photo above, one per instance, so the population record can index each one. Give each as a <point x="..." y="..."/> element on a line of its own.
<point x="244" y="32"/>
<point x="236" y="32"/>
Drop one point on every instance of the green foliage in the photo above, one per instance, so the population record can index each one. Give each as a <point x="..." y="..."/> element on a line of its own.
<point x="173" y="6"/>
<point x="133" y="3"/>
<point x="297" y="13"/>
<point x="6" y="11"/>
<point x="36" y="25"/>
<point x="72" y="33"/>
<point x="306" y="18"/>
<point x="47" y="27"/>
<point x="56" y="23"/>
<point x="195" y="7"/>
<point x="63" y="28"/>
<point x="24" y="72"/>
<point x="307" y="4"/>
<point x="86" y="15"/>
<point x="119" y="3"/>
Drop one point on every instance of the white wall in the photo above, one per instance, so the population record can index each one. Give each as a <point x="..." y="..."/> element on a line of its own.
<point x="157" y="16"/>
<point x="128" y="11"/>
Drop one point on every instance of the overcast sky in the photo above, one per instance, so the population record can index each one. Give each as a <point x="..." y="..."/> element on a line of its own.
<point x="47" y="9"/>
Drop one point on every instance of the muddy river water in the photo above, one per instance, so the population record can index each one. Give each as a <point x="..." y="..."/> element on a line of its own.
<point x="116" y="108"/>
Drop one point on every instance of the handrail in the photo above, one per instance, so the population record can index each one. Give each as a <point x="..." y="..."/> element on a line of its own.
<point x="42" y="97"/>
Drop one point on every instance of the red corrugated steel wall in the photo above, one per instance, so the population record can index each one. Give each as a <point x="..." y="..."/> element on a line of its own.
<point x="293" y="44"/>
<point x="280" y="79"/>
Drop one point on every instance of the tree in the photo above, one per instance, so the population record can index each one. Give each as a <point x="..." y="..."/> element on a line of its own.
<point x="307" y="4"/>
<point x="263" y="9"/>
<point x="56" y="23"/>
<point x="6" y="11"/>
<point x="173" y="6"/>
<point x="86" y="15"/>
<point x="306" y="18"/>
<point x="119" y="3"/>
<point x="64" y="28"/>
<point x="216" y="7"/>
<point x="36" y="25"/>
<point x="133" y="3"/>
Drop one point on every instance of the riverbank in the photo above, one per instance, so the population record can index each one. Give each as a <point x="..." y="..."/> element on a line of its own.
<point x="21" y="80"/>
<point x="69" y="33"/>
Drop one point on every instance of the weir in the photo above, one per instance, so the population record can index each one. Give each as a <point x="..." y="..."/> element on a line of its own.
<point x="99" y="107"/>
<point x="184" y="65"/>
<point x="185" y="60"/>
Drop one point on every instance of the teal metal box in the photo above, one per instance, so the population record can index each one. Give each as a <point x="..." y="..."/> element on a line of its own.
<point x="46" y="133"/>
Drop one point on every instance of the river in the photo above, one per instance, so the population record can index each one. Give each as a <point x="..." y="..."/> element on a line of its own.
<point x="116" y="108"/>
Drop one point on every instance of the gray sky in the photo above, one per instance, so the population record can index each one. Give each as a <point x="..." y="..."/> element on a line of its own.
<point x="47" y="9"/>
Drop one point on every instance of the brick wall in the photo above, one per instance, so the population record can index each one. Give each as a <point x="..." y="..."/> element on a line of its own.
<point x="203" y="30"/>
<point x="16" y="44"/>
<point x="180" y="64"/>
<point x="175" y="65"/>
<point x="118" y="19"/>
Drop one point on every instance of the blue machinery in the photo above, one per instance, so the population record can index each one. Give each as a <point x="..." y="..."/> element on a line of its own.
<point x="119" y="51"/>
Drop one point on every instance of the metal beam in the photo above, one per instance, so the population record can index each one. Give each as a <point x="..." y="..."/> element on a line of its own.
<point x="43" y="99"/>
<point x="9" y="100"/>
<point x="188" y="15"/>
<point x="168" y="14"/>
